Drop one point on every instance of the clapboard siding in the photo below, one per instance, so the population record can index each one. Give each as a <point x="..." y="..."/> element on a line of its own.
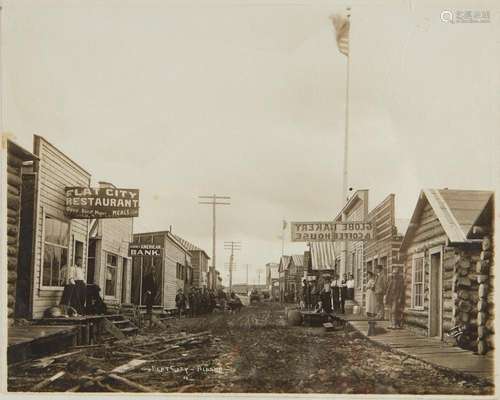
<point x="115" y="235"/>
<point x="56" y="171"/>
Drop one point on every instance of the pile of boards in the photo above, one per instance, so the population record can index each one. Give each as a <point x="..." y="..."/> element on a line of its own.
<point x="143" y="363"/>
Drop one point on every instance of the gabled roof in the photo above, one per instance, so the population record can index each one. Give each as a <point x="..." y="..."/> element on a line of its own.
<point x="189" y="245"/>
<point x="457" y="211"/>
<point x="298" y="260"/>
<point x="322" y="255"/>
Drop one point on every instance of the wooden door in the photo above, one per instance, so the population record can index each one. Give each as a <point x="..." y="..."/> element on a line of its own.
<point x="435" y="295"/>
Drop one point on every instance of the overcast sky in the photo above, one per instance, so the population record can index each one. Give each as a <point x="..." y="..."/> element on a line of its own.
<point x="247" y="99"/>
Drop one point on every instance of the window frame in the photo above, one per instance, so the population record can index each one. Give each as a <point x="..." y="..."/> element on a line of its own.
<point x="43" y="249"/>
<point x="116" y="267"/>
<point x="417" y="256"/>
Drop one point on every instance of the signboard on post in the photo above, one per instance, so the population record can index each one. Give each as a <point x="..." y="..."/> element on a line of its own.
<point x="330" y="231"/>
<point x="90" y="203"/>
<point x="141" y="249"/>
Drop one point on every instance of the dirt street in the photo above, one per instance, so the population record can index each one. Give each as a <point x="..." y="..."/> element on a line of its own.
<point x="254" y="351"/>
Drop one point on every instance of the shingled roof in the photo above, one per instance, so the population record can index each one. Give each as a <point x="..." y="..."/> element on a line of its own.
<point x="188" y="245"/>
<point x="457" y="210"/>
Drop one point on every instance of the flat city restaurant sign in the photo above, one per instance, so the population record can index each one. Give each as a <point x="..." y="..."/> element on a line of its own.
<point x="140" y="249"/>
<point x="85" y="202"/>
<point x="330" y="231"/>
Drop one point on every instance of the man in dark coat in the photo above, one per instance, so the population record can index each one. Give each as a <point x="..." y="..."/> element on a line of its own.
<point x="395" y="298"/>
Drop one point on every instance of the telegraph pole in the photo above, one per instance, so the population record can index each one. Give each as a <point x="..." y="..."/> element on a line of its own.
<point x="231" y="246"/>
<point x="214" y="202"/>
<point x="247" y="265"/>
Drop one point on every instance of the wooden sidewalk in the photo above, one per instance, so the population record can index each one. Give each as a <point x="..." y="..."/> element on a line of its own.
<point x="432" y="351"/>
<point x="25" y="342"/>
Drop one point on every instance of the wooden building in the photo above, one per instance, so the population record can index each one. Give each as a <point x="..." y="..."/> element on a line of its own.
<point x="17" y="287"/>
<point x="283" y="276"/>
<point x="295" y="276"/>
<point x="448" y="264"/>
<point x="349" y="254"/>
<point x="199" y="261"/>
<point x="383" y="249"/>
<point x="49" y="240"/>
<point x="272" y="280"/>
<point x="109" y="265"/>
<point x="170" y="272"/>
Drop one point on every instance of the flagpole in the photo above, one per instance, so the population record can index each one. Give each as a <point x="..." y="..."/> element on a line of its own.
<point x="346" y="134"/>
<point x="283" y="238"/>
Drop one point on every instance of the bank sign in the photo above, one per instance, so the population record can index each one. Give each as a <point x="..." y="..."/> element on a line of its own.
<point x="141" y="249"/>
<point x="89" y="203"/>
<point x="330" y="231"/>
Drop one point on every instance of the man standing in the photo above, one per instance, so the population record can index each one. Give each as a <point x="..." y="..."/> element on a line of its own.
<point x="395" y="297"/>
<point x="336" y="293"/>
<point x="180" y="302"/>
<point x="380" y="288"/>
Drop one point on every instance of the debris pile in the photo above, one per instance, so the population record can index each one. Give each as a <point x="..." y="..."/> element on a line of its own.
<point x="160" y="362"/>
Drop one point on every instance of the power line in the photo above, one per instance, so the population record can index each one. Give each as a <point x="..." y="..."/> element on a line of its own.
<point x="233" y="246"/>
<point x="214" y="202"/>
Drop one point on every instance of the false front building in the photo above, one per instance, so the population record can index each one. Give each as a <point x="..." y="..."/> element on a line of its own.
<point x="163" y="275"/>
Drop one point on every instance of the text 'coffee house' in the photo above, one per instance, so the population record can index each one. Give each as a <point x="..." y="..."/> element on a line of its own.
<point x="329" y="231"/>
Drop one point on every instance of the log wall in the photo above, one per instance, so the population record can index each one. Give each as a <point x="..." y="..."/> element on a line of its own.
<point x="14" y="182"/>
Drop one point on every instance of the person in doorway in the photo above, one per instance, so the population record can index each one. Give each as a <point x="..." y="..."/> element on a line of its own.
<point x="150" y="288"/>
<point x="326" y="296"/>
<point x="180" y="302"/>
<point x="336" y="293"/>
<point x="350" y="287"/>
<point x="395" y="298"/>
<point x="343" y="293"/>
<point x="380" y="288"/>
<point x="74" y="294"/>
<point x="371" y="302"/>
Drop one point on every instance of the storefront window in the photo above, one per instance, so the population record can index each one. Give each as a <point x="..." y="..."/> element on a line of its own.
<point x="111" y="273"/>
<point x="55" y="255"/>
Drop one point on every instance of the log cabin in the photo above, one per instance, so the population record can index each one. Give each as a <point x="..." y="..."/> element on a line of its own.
<point x="448" y="264"/>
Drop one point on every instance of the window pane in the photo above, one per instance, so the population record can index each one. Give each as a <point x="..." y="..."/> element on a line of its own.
<point x="64" y="260"/>
<point x="56" y="266"/>
<point x="48" y="255"/>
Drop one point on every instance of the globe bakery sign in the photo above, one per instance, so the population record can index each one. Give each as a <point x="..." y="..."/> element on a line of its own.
<point x="85" y="203"/>
<point x="330" y="231"/>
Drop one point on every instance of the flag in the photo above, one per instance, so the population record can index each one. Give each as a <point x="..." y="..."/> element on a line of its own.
<point x="285" y="224"/>
<point x="341" y="24"/>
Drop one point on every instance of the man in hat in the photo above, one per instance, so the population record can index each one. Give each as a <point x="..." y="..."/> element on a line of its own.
<point x="395" y="298"/>
<point x="180" y="302"/>
<point x="379" y="288"/>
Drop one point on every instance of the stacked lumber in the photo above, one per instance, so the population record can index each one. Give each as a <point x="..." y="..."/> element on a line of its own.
<point x="126" y="365"/>
<point x="485" y="303"/>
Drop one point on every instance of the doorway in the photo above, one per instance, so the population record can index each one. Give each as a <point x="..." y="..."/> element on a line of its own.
<point x="435" y="294"/>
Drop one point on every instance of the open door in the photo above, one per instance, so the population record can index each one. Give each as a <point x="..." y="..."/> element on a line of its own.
<point x="436" y="294"/>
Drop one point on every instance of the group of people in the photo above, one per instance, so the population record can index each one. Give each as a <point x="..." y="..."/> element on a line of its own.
<point x="328" y="294"/>
<point x="199" y="301"/>
<point x="380" y="293"/>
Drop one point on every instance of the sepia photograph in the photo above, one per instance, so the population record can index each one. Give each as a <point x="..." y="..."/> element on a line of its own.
<point x="249" y="197"/>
